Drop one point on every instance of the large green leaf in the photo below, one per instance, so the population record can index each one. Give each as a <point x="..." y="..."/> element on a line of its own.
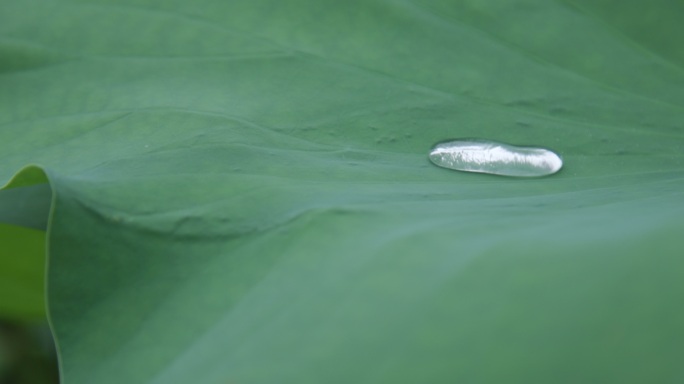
<point x="242" y="192"/>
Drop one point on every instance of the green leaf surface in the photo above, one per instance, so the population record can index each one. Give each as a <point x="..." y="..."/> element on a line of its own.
<point x="24" y="210"/>
<point x="22" y="272"/>
<point x="242" y="190"/>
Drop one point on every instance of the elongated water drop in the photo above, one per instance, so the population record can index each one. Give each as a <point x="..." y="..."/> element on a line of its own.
<point x="484" y="156"/>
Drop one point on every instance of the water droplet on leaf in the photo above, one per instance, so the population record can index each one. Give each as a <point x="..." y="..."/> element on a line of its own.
<point x="485" y="156"/>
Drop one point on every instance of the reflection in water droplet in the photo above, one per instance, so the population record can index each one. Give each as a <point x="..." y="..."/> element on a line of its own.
<point x="484" y="156"/>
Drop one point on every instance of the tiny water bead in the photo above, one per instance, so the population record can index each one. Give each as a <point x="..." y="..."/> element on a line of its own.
<point x="485" y="156"/>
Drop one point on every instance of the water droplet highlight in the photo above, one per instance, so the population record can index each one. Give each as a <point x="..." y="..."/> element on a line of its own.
<point x="485" y="156"/>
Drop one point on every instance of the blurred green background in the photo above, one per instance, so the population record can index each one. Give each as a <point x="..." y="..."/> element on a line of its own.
<point x="27" y="353"/>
